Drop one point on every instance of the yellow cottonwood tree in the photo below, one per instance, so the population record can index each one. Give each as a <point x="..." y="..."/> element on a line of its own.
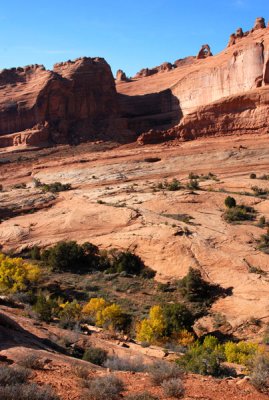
<point x="95" y="307"/>
<point x="152" y="328"/>
<point x="16" y="274"/>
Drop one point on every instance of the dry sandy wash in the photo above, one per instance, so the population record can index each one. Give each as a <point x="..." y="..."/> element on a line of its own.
<point x="113" y="203"/>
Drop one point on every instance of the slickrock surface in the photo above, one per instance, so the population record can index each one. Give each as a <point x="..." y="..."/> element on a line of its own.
<point x="114" y="203"/>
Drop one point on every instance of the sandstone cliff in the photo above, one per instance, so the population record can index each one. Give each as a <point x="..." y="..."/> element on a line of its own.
<point x="226" y="93"/>
<point x="74" y="102"/>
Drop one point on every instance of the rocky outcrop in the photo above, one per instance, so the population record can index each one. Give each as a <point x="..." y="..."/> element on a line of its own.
<point x="156" y="136"/>
<point x="259" y="23"/>
<point x="164" y="67"/>
<point x="76" y="101"/>
<point x="121" y="76"/>
<point x="204" y="52"/>
<point x="239" y="115"/>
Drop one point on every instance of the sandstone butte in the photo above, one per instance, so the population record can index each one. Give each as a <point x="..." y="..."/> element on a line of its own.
<point x="197" y="96"/>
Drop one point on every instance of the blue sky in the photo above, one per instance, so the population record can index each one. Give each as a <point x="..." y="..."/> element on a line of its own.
<point x="129" y="34"/>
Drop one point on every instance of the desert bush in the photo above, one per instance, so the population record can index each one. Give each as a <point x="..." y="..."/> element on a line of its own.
<point x="240" y="353"/>
<point x="262" y="222"/>
<point x="106" y="387"/>
<point x="71" y="257"/>
<point x="161" y="371"/>
<point x="128" y="262"/>
<point x="16" y="274"/>
<point x="259" y="191"/>
<point x="35" y="253"/>
<point x="113" y="318"/>
<point x="70" y="313"/>
<point x="134" y="364"/>
<point x="263" y="242"/>
<point x="31" y="361"/>
<point x="239" y="213"/>
<point x="177" y="317"/>
<point x="13" y="376"/>
<point x="141" y="396"/>
<point x="264" y="177"/>
<point x="27" y="392"/>
<point x="95" y="355"/>
<point x="193" y="287"/>
<point x="173" y="388"/>
<point x="46" y="308"/>
<point x="54" y="187"/>
<point x="253" y="176"/>
<point x="203" y="359"/>
<point x="174" y="185"/>
<point x="193" y="184"/>
<point x="230" y="202"/>
<point x="80" y="371"/>
<point x="260" y="373"/>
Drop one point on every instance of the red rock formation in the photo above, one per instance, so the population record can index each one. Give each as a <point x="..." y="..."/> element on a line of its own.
<point x="121" y="76"/>
<point x="239" y="33"/>
<point x="204" y="52"/>
<point x="259" y="23"/>
<point x="74" y="102"/>
<point x="164" y="67"/>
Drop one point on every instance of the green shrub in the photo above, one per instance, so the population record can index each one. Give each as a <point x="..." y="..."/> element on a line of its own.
<point x="54" y="187"/>
<point x="174" y="185"/>
<point x="262" y="222"/>
<point x="177" y="317"/>
<point x="35" y="253"/>
<point x="70" y="314"/>
<point x="71" y="257"/>
<point x="239" y="213"/>
<point x="259" y="191"/>
<point x="263" y="242"/>
<point x="46" y="308"/>
<point x="193" y="176"/>
<point x="128" y="262"/>
<point x="95" y="355"/>
<point x="193" y="184"/>
<point x="203" y="359"/>
<point x="230" y="202"/>
<point x="193" y="287"/>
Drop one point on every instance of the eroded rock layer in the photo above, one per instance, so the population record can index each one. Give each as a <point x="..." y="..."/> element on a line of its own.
<point x="74" y="102"/>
